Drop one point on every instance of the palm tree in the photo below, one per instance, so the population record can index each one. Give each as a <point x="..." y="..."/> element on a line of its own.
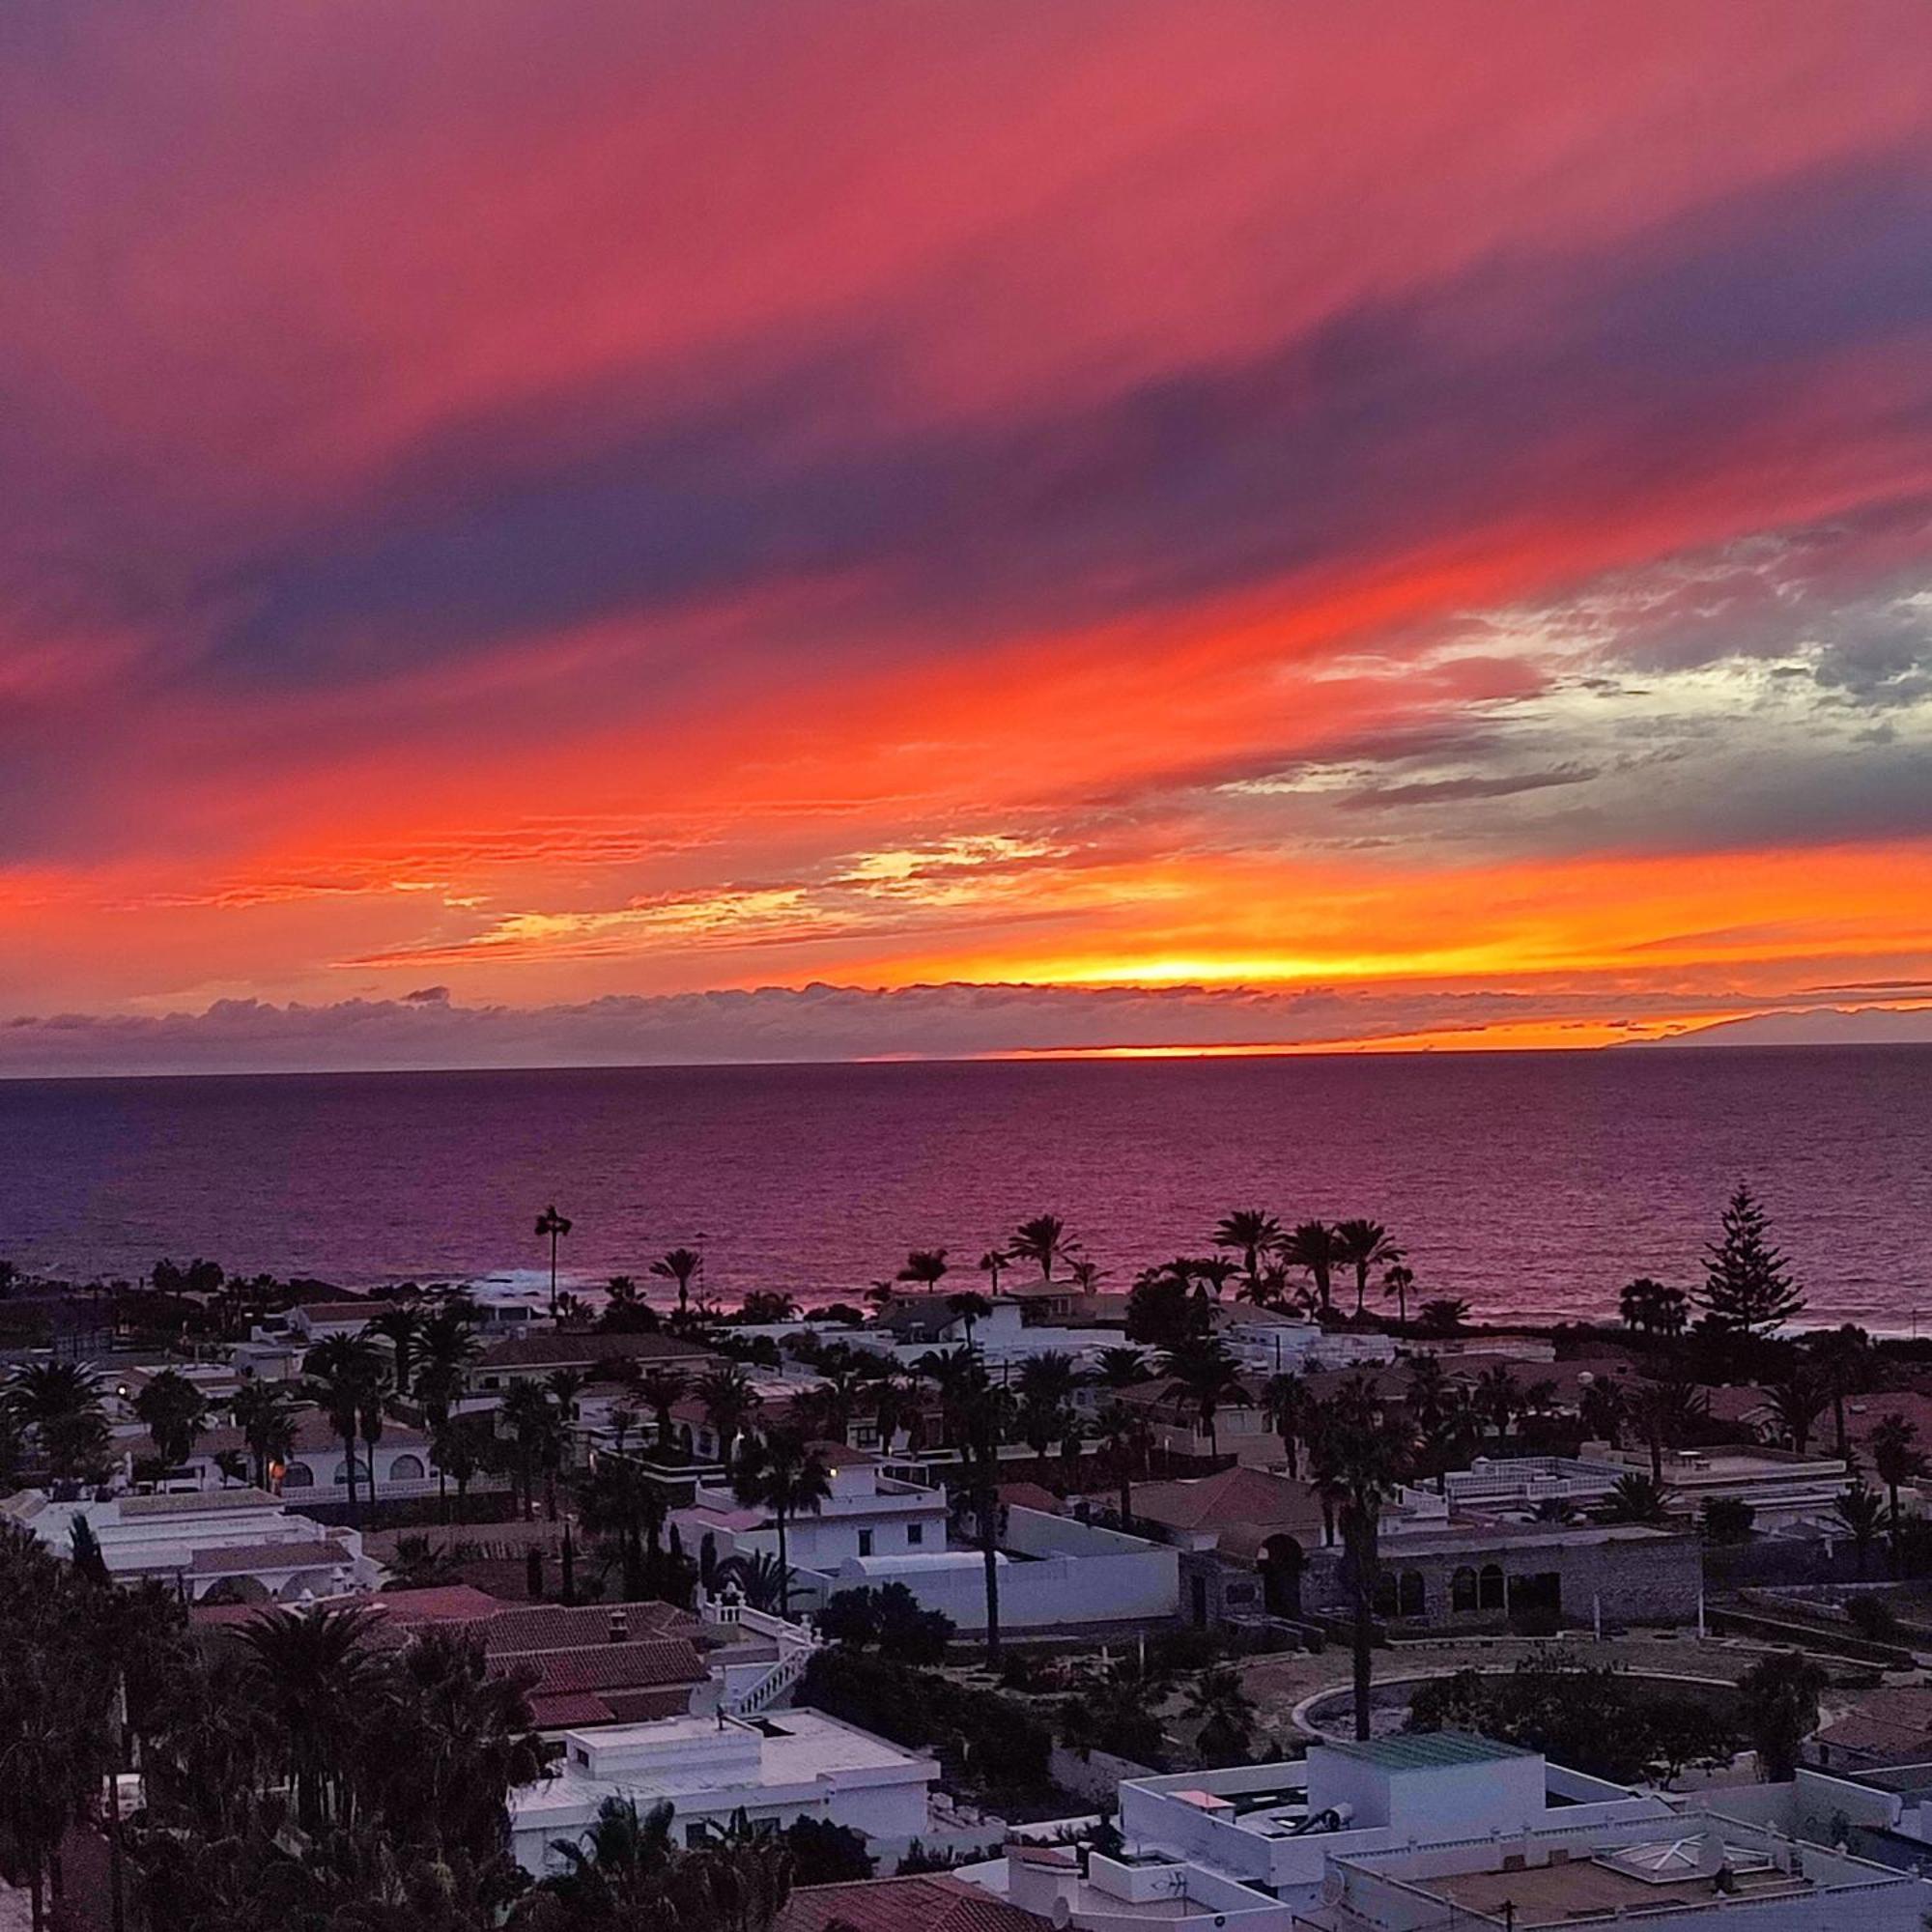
<point x="1896" y="1460"/>
<point x="1312" y="1246"/>
<point x="616" y="1500"/>
<point x="231" y="1465"/>
<point x="661" y="1388"/>
<point x="1863" y="1515"/>
<point x="1361" y="1454"/>
<point x="758" y="1574"/>
<point x="970" y="1309"/>
<point x="1635" y="1499"/>
<point x="350" y="1374"/>
<point x="781" y="1473"/>
<point x="449" y="1339"/>
<point x="1844" y="1359"/>
<point x="550" y="1222"/>
<point x="1653" y="1308"/>
<point x="175" y="1412"/>
<point x="1124" y="1438"/>
<point x="1226" y="1714"/>
<point x="1664" y="1413"/>
<point x="681" y="1265"/>
<point x="729" y="1403"/>
<point x="1043" y="1239"/>
<point x="1045" y="1385"/>
<point x="1118" y="1368"/>
<point x="1793" y="1404"/>
<point x="1602" y="1412"/>
<point x="265" y="1414"/>
<point x="613" y="1874"/>
<point x="1290" y="1410"/>
<point x="1363" y="1246"/>
<point x="1498" y="1398"/>
<point x="1208" y="1376"/>
<point x="925" y="1266"/>
<point x="1400" y="1282"/>
<point x="529" y="1423"/>
<point x="1214" y="1272"/>
<point x="1254" y="1233"/>
<point x="314" y="1677"/>
<point x="60" y="1403"/>
<point x="400" y="1326"/>
<point x="992" y="1265"/>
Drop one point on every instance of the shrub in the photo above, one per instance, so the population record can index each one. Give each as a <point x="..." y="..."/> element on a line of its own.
<point x="1873" y="1617"/>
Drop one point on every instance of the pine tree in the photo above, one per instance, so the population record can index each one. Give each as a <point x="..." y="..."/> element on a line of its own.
<point x="1748" y="1286"/>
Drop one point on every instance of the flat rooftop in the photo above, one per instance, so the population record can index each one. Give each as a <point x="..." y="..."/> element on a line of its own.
<point x="1426" y="1750"/>
<point x="1559" y="1895"/>
<point x="795" y="1748"/>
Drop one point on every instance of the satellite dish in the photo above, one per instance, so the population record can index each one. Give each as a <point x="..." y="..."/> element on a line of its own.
<point x="1063" y="1913"/>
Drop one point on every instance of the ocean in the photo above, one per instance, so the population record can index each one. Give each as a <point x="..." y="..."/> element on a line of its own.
<point x="1530" y="1184"/>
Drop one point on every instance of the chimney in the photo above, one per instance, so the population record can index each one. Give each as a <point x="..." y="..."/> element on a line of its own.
<point x="620" y="1626"/>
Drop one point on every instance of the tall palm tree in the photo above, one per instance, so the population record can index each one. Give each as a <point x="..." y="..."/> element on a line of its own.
<point x="314" y="1676"/>
<point x="1290" y="1410"/>
<point x="1361" y="1454"/>
<point x="175" y="1412"/>
<point x="729" y="1403"/>
<point x="661" y="1388"/>
<point x="556" y="1226"/>
<point x="60" y="1403"/>
<point x="992" y="1265"/>
<point x="528" y="1422"/>
<point x="970" y="1309"/>
<point x="1214" y="1272"/>
<point x="1363" y="1246"/>
<point x="1254" y="1233"/>
<point x="1312" y="1246"/>
<point x="1844" y="1357"/>
<point x="1896" y="1460"/>
<point x="449" y="1338"/>
<point x="265" y="1414"/>
<point x="1126" y="1439"/>
<point x="1399" y="1280"/>
<point x="1043" y="1241"/>
<point x="682" y="1266"/>
<point x="1205" y="1375"/>
<point x="780" y="1472"/>
<point x="1602" y="1412"/>
<point x="349" y="1374"/>
<point x="400" y="1326"/>
<point x="618" y="1502"/>
<point x="925" y="1266"/>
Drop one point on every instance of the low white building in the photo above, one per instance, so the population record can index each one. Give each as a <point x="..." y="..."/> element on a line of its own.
<point x="778" y="1768"/>
<point x="1269" y="1342"/>
<point x="1781" y="1487"/>
<point x="237" y="1544"/>
<point x="1450" y="1833"/>
<point x="875" y="1528"/>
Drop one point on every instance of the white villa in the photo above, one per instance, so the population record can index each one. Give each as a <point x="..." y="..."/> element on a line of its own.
<point x="237" y="1544"/>
<point x="876" y="1529"/>
<point x="1447" y="1831"/>
<point x="781" y="1767"/>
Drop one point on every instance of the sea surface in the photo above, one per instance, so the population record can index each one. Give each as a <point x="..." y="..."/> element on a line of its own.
<point x="1531" y="1185"/>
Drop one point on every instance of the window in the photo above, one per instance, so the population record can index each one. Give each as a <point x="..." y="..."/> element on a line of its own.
<point x="1386" y="1604"/>
<point x="1462" y="1591"/>
<point x="915" y="1534"/>
<point x="865" y="1543"/>
<point x="1411" y="1593"/>
<point x="1491" y="1588"/>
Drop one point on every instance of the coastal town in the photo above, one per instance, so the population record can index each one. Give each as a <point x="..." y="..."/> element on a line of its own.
<point x="1266" y="1590"/>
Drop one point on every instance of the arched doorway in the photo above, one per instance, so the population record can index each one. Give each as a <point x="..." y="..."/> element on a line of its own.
<point x="1281" y="1576"/>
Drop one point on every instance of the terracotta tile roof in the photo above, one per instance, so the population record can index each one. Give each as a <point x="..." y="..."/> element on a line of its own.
<point x="445" y="1604"/>
<point x="1031" y="1496"/>
<point x="1237" y="1498"/>
<point x="931" y="1903"/>
<point x="552" y="1627"/>
<point x="565" y="1709"/>
<point x="608" y="1666"/>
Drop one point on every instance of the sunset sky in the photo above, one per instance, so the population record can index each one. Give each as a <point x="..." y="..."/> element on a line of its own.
<point x="628" y="531"/>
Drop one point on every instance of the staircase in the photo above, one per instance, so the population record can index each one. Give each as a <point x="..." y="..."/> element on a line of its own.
<point x="766" y="1691"/>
